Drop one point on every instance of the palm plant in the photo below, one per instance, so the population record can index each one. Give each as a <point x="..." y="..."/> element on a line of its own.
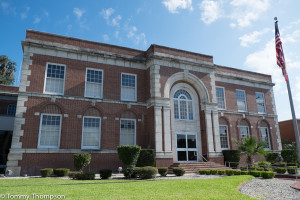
<point x="251" y="146"/>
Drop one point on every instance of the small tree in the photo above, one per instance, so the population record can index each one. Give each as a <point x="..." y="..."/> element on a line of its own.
<point x="129" y="154"/>
<point x="250" y="146"/>
<point x="7" y="69"/>
<point x="81" y="160"/>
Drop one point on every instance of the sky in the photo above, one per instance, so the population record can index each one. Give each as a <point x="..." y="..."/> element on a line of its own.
<point x="237" y="33"/>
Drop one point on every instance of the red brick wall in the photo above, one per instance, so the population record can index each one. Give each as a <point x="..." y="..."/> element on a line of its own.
<point x="287" y="130"/>
<point x="4" y="104"/>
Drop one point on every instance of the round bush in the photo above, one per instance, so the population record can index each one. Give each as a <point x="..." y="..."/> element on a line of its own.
<point x="213" y="171"/>
<point x="72" y="175"/>
<point x="267" y="175"/>
<point x="221" y="172"/>
<point x="229" y="172"/>
<point x="46" y="172"/>
<point x="272" y="157"/>
<point x="255" y="173"/>
<point x="236" y="172"/>
<point x="178" y="171"/>
<point x="146" y="158"/>
<point x="292" y="170"/>
<point x="85" y="176"/>
<point x="263" y="163"/>
<point x="268" y="169"/>
<point x="105" y="173"/>
<point x="252" y="168"/>
<point x="244" y="173"/>
<point x="202" y="171"/>
<point x="146" y="172"/>
<point x="61" y="172"/>
<point x="207" y="172"/>
<point x="279" y="164"/>
<point x="260" y="169"/>
<point x="280" y="170"/>
<point x="81" y="160"/>
<point x="163" y="171"/>
<point x="133" y="172"/>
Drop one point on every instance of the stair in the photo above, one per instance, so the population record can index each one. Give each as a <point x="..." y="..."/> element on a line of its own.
<point x="194" y="167"/>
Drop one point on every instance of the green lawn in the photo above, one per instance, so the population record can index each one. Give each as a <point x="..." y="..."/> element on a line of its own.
<point x="220" y="188"/>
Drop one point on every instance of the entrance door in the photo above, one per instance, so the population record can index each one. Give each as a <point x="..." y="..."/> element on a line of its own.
<point x="186" y="147"/>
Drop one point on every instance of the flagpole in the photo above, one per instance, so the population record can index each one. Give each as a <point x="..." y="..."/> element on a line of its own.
<point x="296" y="130"/>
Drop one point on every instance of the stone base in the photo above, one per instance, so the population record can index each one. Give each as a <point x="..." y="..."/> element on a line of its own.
<point x="218" y="160"/>
<point x="164" y="162"/>
<point x="16" y="171"/>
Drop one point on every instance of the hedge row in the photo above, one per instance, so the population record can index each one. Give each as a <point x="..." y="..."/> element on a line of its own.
<point x="230" y="172"/>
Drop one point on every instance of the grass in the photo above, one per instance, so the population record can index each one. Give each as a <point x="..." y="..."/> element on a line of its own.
<point x="220" y="188"/>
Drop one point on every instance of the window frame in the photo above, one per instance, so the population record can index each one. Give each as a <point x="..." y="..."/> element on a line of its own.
<point x="45" y="79"/>
<point x="59" y="136"/>
<point x="7" y="113"/>
<point x="269" y="141"/>
<point x="99" y="144"/>
<point x="101" y="95"/>
<point x="122" y="98"/>
<point x="187" y="106"/>
<point x="227" y="135"/>
<point x="264" y="101"/>
<point x="134" y="129"/>
<point x="248" y="128"/>
<point x="246" y="107"/>
<point x="223" y="97"/>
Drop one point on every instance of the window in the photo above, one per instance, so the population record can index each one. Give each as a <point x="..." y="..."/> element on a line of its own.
<point x="91" y="133"/>
<point x="241" y="100"/>
<point x="11" y="110"/>
<point x="93" y="83"/>
<point x="265" y="136"/>
<point x="224" y="136"/>
<point x="127" y="132"/>
<point x="183" y="105"/>
<point x="260" y="101"/>
<point x="49" y="134"/>
<point x="220" y="97"/>
<point x="55" y="79"/>
<point x="244" y="132"/>
<point x="128" y="90"/>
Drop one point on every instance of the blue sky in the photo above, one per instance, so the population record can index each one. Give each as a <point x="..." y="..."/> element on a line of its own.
<point x="237" y="33"/>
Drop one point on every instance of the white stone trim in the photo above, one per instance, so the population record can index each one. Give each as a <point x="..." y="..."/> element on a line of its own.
<point x="24" y="82"/>
<point x="155" y="81"/>
<point x="215" y="119"/>
<point x="213" y="88"/>
<point x="167" y="129"/>
<point x="276" y="120"/>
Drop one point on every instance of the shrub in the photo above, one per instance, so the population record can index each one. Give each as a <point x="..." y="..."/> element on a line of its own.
<point x="213" y="171"/>
<point x="221" y="172"/>
<point x="292" y="170"/>
<point x="272" y="157"/>
<point x="105" y="173"/>
<point x="243" y="168"/>
<point x="85" y="176"/>
<point x="263" y="163"/>
<point x="178" y="171"/>
<point x="207" y="172"/>
<point x="231" y="155"/>
<point x="132" y="173"/>
<point x="60" y="172"/>
<point x="146" y="172"/>
<point x="292" y="164"/>
<point x="46" y="172"/>
<point x="251" y="168"/>
<point x="268" y="169"/>
<point x="163" y="171"/>
<point x="279" y="164"/>
<point x="229" y="172"/>
<point x="280" y="170"/>
<point x="255" y="173"/>
<point x="244" y="173"/>
<point x="129" y="154"/>
<point x="267" y="175"/>
<point x="146" y="158"/>
<point x="236" y="172"/>
<point x="202" y="171"/>
<point x="81" y="160"/>
<point x="260" y="169"/>
<point x="290" y="155"/>
<point x="72" y="175"/>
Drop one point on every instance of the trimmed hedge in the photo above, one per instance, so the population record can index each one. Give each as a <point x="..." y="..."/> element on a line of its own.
<point x="292" y="164"/>
<point x="202" y="171"/>
<point x="268" y="169"/>
<point x="237" y="172"/>
<point x="46" y="172"/>
<point x="81" y="160"/>
<point x="231" y="155"/>
<point x="61" y="172"/>
<point x="207" y="172"/>
<point x="178" y="171"/>
<point x="263" y="163"/>
<point x="280" y="170"/>
<point x="105" y="173"/>
<point x="163" y="171"/>
<point x="213" y="171"/>
<point x="85" y="176"/>
<point x="255" y="173"/>
<point x="229" y="172"/>
<point x="244" y="173"/>
<point x="72" y="175"/>
<point x="221" y="172"/>
<point x="260" y="169"/>
<point x="146" y="172"/>
<point x="133" y="172"/>
<point x="292" y="169"/>
<point x="146" y="158"/>
<point x="267" y="175"/>
<point x="272" y="157"/>
<point x="279" y="164"/>
<point x="290" y="155"/>
<point x="251" y="168"/>
<point x="128" y="154"/>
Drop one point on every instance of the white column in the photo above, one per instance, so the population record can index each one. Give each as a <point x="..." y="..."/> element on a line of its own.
<point x="209" y="132"/>
<point x="158" y="131"/>
<point x="167" y="131"/>
<point x="216" y="131"/>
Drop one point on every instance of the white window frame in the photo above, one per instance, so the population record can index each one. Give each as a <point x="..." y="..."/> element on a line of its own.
<point x="134" y="129"/>
<point x="45" y="79"/>
<point x="227" y="137"/>
<point x="7" y="110"/>
<point x="59" y="136"/>
<point x="246" y="108"/>
<point x="101" y="95"/>
<point x="187" y="107"/>
<point x="241" y="132"/>
<point x="124" y="99"/>
<point x="264" y="101"/>
<point x="99" y="144"/>
<point x="223" y="97"/>
<point x="268" y="132"/>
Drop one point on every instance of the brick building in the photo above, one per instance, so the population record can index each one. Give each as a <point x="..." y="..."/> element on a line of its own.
<point x="83" y="96"/>
<point x="287" y="130"/>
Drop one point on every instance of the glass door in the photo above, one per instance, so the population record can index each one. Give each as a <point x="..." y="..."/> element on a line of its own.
<point x="186" y="147"/>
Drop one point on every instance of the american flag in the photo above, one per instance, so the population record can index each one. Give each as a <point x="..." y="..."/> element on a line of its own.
<point x="279" y="52"/>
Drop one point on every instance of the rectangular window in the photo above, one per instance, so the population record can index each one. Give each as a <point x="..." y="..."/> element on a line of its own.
<point x="260" y="101"/>
<point x="93" y="83"/>
<point x="50" y="128"/>
<point x="11" y="110"/>
<point x="127" y="132"/>
<point x="128" y="89"/>
<point x="91" y="133"/>
<point x="223" y="136"/>
<point x="55" y="79"/>
<point x="244" y="132"/>
<point x="265" y="137"/>
<point x="241" y="100"/>
<point x="220" y="97"/>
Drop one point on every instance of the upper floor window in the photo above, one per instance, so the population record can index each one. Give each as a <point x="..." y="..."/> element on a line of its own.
<point x="11" y="110"/>
<point x="128" y="89"/>
<point x="55" y="79"/>
<point x="260" y="101"/>
<point x="93" y="83"/>
<point x="220" y="97"/>
<point x="127" y="132"/>
<point x="183" y="105"/>
<point x="91" y="133"/>
<point x="50" y="128"/>
<point x="241" y="100"/>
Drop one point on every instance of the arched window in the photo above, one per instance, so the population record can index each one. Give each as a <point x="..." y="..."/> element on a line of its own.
<point x="183" y="105"/>
<point x="244" y="129"/>
<point x="265" y="136"/>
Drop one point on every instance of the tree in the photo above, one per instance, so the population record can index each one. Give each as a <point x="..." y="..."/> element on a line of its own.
<point x="7" y="69"/>
<point x="251" y="146"/>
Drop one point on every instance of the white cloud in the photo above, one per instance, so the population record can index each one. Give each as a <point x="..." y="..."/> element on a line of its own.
<point x="117" y="33"/>
<point x="23" y="16"/>
<point x="115" y="21"/>
<point x="105" y="38"/>
<point x="107" y="13"/>
<point x="4" y="5"/>
<point x="211" y="11"/>
<point x="78" y="12"/>
<point x="137" y="37"/>
<point x="36" y="20"/>
<point x="46" y="13"/>
<point x="174" y="5"/>
<point x="253" y="37"/>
